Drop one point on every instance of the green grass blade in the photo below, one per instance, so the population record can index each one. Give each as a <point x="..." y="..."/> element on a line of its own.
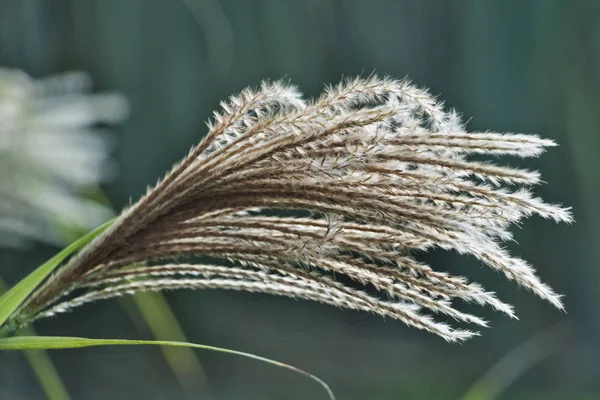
<point x="11" y="300"/>
<point x="58" y="342"/>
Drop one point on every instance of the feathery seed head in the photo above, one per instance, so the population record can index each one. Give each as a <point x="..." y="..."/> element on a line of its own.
<point x="374" y="169"/>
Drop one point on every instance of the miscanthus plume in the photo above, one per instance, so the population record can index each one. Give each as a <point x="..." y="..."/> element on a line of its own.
<point x="287" y="196"/>
<point x="52" y="150"/>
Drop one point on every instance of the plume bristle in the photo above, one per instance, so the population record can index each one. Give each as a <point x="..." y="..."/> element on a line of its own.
<point x="376" y="170"/>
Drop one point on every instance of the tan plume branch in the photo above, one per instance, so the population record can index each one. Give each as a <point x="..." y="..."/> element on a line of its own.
<point x="373" y="169"/>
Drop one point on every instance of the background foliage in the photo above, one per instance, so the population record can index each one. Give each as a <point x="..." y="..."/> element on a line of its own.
<point x="521" y="66"/>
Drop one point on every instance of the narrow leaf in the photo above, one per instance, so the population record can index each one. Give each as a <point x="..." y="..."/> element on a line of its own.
<point x="11" y="300"/>
<point x="62" y="342"/>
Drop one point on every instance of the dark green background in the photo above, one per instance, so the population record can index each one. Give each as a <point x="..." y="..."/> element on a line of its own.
<point x="518" y="66"/>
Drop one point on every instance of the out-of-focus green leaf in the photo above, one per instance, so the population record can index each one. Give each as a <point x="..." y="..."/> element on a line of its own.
<point x="516" y="363"/>
<point x="42" y="367"/>
<point x="63" y="342"/>
<point x="46" y="373"/>
<point x="161" y="320"/>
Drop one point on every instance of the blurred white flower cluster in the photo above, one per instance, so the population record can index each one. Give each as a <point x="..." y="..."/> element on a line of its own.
<point x="53" y="154"/>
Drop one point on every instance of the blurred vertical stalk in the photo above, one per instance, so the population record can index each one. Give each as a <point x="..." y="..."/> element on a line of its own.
<point x="218" y="34"/>
<point x="568" y="53"/>
<point x="42" y="367"/>
<point x="163" y="324"/>
<point x="45" y="371"/>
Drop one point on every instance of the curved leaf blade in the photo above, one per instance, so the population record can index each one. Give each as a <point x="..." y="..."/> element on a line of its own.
<point x="65" y="342"/>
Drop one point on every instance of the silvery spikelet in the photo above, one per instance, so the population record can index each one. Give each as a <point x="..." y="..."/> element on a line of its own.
<point x="289" y="195"/>
<point x="51" y="151"/>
